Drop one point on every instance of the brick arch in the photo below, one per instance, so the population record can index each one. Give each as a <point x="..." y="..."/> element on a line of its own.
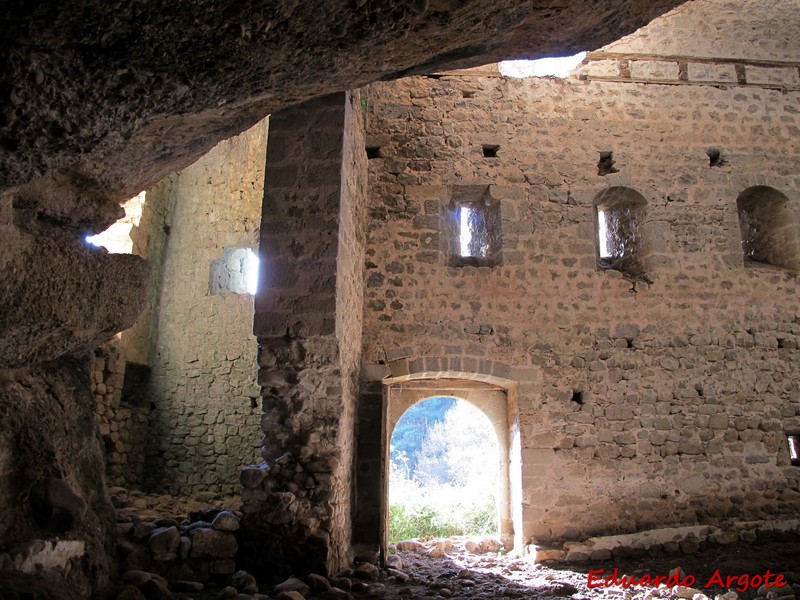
<point x="450" y="367"/>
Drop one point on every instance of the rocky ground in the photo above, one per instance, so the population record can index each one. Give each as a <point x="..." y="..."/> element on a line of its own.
<point x="185" y="549"/>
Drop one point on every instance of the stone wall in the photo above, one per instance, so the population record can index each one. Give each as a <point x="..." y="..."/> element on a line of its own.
<point x="758" y="32"/>
<point x="122" y="425"/>
<point x="297" y="503"/>
<point x="202" y="392"/>
<point x="659" y="400"/>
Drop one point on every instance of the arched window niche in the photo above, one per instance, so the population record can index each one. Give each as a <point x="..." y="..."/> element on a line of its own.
<point x="768" y="227"/>
<point x="620" y="213"/>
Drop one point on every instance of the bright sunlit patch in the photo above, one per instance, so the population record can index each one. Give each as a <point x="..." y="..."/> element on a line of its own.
<point x="465" y="233"/>
<point x="602" y="234"/>
<point x="251" y="272"/>
<point x="117" y="238"/>
<point x="560" y="66"/>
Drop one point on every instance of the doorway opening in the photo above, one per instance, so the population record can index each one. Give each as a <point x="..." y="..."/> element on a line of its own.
<point x="454" y="410"/>
<point x="444" y="472"/>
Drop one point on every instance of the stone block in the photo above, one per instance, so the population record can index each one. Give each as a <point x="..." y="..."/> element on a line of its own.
<point x="654" y="69"/>
<point x="225" y="566"/>
<point x="786" y="76"/>
<point x="164" y="542"/>
<point x="225" y="521"/>
<point x="600" y="68"/>
<point x="712" y="72"/>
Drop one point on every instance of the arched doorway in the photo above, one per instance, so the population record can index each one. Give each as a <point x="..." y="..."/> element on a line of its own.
<point x="497" y="403"/>
<point x="444" y="471"/>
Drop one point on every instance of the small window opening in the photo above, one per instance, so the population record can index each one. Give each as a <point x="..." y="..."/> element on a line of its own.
<point x="472" y="228"/>
<point x="605" y="166"/>
<point x="465" y="229"/>
<point x="235" y="271"/>
<point x="577" y="397"/>
<point x="620" y="244"/>
<point x="373" y="152"/>
<point x="794" y="449"/>
<point x="490" y="150"/>
<point x="715" y="158"/>
<point x="558" y="66"/>
<point x="768" y="228"/>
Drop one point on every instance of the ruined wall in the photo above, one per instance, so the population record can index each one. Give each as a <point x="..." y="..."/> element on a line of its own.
<point x="643" y="403"/>
<point x="297" y="503"/>
<point x="123" y="425"/>
<point x="203" y="412"/>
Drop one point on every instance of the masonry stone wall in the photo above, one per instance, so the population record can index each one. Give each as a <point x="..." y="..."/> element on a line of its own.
<point x="123" y="426"/>
<point x="643" y="402"/>
<point x="756" y="31"/>
<point x="202" y="394"/>
<point x="297" y="503"/>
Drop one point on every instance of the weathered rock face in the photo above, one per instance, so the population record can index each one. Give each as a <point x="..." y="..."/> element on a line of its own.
<point x="116" y="97"/>
<point x="51" y="472"/>
<point x="61" y="296"/>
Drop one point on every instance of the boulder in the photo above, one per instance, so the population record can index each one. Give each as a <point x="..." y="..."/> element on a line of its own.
<point x="244" y="582"/>
<point x="318" y="583"/>
<point x="155" y="589"/>
<point x="367" y="571"/>
<point x="164" y="542"/>
<point x="225" y="521"/>
<point x="291" y="585"/>
<point x="210" y="543"/>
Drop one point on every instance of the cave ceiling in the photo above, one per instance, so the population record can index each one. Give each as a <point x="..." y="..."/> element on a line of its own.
<point x="100" y="99"/>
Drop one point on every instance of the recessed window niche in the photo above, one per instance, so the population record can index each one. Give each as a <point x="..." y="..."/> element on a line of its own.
<point x="768" y="227"/>
<point x="794" y="449"/>
<point x="620" y="219"/>
<point x="472" y="228"/>
<point x="236" y="271"/>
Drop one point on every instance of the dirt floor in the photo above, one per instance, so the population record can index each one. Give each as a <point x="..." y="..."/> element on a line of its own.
<point x="463" y="575"/>
<point x="446" y="569"/>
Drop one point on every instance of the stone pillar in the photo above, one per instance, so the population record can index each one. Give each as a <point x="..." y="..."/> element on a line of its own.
<point x="369" y="517"/>
<point x="308" y="317"/>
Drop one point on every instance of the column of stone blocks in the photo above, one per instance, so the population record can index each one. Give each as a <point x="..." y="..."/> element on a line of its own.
<point x="308" y="324"/>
